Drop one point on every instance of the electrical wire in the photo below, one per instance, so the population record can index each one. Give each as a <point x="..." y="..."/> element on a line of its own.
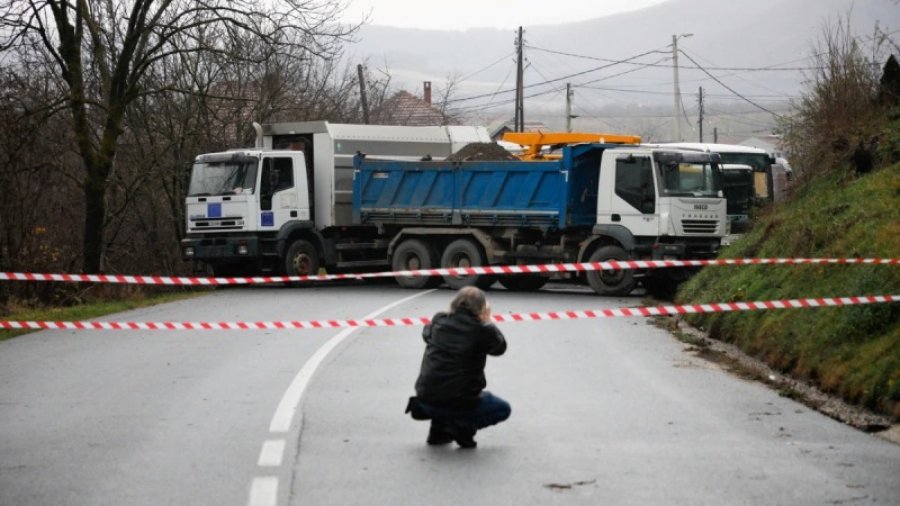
<point x="773" y="98"/>
<point x="770" y="68"/>
<point x="711" y="64"/>
<point x="560" y="78"/>
<point x="714" y="78"/>
<point x="463" y="79"/>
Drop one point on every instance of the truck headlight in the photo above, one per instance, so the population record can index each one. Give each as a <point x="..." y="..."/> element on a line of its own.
<point x="188" y="251"/>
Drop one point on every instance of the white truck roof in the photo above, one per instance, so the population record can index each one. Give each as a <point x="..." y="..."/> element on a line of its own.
<point x="714" y="148"/>
<point x="333" y="145"/>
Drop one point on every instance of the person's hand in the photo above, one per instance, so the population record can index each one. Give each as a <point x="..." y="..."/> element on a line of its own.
<point x="486" y="313"/>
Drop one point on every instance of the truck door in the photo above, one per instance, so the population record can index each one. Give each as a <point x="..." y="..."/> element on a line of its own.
<point x="633" y="203"/>
<point x="283" y="195"/>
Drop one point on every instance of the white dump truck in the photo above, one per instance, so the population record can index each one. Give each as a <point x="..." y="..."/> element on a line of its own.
<point x="293" y="206"/>
<point x="244" y="206"/>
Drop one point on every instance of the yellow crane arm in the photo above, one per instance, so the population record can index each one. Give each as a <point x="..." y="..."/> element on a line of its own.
<point x="533" y="142"/>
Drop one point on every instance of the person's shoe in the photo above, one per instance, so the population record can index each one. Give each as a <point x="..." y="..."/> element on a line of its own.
<point x="466" y="443"/>
<point x="464" y="437"/>
<point x="439" y="436"/>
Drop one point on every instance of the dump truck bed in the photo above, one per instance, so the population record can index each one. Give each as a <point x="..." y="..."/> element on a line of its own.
<point x="552" y="194"/>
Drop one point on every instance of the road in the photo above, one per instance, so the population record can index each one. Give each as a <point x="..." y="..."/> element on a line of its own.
<point x="608" y="411"/>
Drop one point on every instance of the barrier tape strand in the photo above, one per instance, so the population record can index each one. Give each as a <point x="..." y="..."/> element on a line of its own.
<point x="456" y="271"/>
<point x="498" y="318"/>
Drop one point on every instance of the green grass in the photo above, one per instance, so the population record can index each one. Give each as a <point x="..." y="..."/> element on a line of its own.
<point x="88" y="311"/>
<point x="850" y="351"/>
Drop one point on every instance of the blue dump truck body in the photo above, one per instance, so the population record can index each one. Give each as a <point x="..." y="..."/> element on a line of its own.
<point x="554" y="194"/>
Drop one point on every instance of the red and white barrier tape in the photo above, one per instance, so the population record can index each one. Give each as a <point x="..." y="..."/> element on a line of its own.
<point x="498" y="318"/>
<point x="467" y="271"/>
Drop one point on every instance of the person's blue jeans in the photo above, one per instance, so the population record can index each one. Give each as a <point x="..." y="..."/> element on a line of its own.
<point x="491" y="410"/>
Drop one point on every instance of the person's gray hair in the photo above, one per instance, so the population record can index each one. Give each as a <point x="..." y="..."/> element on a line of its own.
<point x="469" y="298"/>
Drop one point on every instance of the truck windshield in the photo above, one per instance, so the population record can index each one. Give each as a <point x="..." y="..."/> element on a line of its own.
<point x="690" y="178"/>
<point x="760" y="162"/>
<point x="223" y="178"/>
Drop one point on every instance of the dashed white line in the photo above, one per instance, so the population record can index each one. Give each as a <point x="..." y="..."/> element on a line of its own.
<point x="264" y="489"/>
<point x="272" y="453"/>
<point x="284" y="415"/>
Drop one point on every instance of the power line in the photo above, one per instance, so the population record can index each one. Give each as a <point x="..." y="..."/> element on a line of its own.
<point x="770" y="68"/>
<point x="569" y="68"/>
<point x="643" y="66"/>
<point x="462" y="79"/>
<point x="773" y="98"/>
<point x="560" y="78"/>
<point x="711" y="64"/>
<point x="546" y="79"/>
<point x="714" y="78"/>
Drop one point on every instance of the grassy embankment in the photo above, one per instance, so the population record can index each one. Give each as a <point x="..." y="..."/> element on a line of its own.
<point x="87" y="311"/>
<point x="854" y="351"/>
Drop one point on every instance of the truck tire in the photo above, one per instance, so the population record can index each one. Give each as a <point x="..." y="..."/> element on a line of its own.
<point x="301" y="259"/>
<point x="411" y="255"/>
<point x="620" y="282"/>
<point x="465" y="253"/>
<point x="523" y="282"/>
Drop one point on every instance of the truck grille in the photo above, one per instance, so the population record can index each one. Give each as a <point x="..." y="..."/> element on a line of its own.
<point x="699" y="226"/>
<point x="203" y="224"/>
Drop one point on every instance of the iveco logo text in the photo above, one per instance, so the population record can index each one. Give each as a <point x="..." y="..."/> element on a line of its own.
<point x="700" y="207"/>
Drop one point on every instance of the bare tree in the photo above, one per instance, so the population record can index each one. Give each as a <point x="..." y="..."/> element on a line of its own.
<point x="445" y="97"/>
<point x="105" y="52"/>
<point x="838" y="116"/>
<point x="166" y="130"/>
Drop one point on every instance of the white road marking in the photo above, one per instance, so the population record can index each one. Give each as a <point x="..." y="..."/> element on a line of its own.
<point x="290" y="402"/>
<point x="272" y="453"/>
<point x="264" y="491"/>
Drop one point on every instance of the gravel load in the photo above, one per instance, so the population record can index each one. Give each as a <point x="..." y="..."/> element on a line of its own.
<point x="480" y="151"/>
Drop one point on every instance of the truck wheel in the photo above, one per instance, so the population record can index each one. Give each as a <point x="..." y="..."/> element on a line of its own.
<point x="523" y="282"/>
<point x="619" y="282"/>
<point x="465" y="253"/>
<point x="412" y="255"/>
<point x="301" y="259"/>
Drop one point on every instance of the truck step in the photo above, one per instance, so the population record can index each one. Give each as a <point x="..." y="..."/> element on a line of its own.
<point x="361" y="245"/>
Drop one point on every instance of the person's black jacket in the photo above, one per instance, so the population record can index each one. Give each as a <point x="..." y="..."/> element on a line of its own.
<point x="457" y="345"/>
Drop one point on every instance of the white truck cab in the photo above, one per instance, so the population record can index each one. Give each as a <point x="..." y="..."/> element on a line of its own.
<point x="657" y="194"/>
<point x="247" y="208"/>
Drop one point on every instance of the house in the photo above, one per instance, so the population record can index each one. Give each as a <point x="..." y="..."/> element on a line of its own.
<point x="405" y="109"/>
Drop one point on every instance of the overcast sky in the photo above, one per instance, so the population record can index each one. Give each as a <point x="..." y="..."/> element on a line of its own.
<point x="463" y="14"/>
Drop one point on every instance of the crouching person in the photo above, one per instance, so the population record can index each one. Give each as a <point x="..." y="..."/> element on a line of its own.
<point x="450" y="389"/>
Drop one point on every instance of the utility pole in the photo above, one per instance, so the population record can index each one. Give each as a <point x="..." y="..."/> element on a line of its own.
<point x="678" y="112"/>
<point x="362" y="93"/>
<point x="520" y="92"/>
<point x="715" y="135"/>
<point x="569" y="107"/>
<point x="701" y="114"/>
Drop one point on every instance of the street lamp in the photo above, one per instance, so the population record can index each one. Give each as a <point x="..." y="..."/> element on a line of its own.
<point x="678" y="112"/>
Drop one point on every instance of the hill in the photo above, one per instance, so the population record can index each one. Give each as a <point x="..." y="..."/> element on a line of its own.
<point x="853" y="351"/>
<point x="756" y="34"/>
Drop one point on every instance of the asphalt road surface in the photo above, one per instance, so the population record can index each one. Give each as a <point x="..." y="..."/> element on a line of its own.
<point x="607" y="411"/>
